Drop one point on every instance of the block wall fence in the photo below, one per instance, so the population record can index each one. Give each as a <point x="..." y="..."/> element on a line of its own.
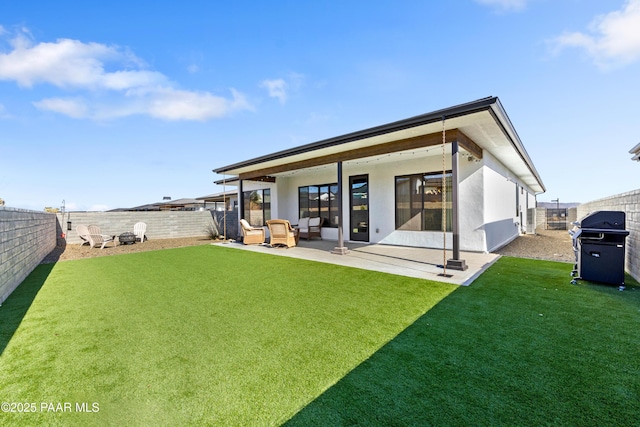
<point x="630" y="204"/>
<point x="26" y="237"/>
<point x="160" y="225"/>
<point x="541" y="218"/>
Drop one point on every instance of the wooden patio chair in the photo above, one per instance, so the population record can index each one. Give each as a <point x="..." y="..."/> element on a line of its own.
<point x="97" y="238"/>
<point x="281" y="233"/>
<point x="251" y="235"/>
<point x="83" y="234"/>
<point x="139" y="229"/>
<point x="310" y="228"/>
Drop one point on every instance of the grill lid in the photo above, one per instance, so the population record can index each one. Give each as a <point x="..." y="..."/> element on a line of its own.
<point x="604" y="220"/>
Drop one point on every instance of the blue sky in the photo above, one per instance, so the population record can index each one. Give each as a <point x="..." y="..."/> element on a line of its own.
<point x="118" y="104"/>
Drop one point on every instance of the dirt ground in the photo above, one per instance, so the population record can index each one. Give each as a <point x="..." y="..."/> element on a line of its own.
<point x="75" y="251"/>
<point x="554" y="245"/>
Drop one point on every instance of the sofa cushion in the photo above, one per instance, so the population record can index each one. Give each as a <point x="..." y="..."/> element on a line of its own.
<point x="303" y="223"/>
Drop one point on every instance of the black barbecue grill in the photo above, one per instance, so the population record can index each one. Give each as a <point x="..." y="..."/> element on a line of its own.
<point x="599" y="245"/>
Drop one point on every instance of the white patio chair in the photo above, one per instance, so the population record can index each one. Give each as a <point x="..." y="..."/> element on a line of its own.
<point x="97" y="238"/>
<point x="83" y="234"/>
<point x="139" y="229"/>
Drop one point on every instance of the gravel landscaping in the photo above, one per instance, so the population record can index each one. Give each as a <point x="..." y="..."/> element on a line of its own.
<point x="553" y="245"/>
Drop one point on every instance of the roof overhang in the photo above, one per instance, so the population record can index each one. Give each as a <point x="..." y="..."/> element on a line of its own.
<point x="478" y="126"/>
<point x="636" y="153"/>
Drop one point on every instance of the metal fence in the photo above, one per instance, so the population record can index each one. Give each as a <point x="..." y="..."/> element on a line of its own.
<point x="556" y="219"/>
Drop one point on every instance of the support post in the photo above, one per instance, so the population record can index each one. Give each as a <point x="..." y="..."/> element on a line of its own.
<point x="455" y="263"/>
<point x="240" y="207"/>
<point x="224" y="206"/>
<point x="340" y="249"/>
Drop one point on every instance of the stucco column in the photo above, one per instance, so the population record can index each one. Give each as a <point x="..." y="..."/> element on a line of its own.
<point x="455" y="263"/>
<point x="340" y="249"/>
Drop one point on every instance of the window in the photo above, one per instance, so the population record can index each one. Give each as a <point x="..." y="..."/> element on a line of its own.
<point x="319" y="201"/>
<point x="419" y="202"/>
<point x="257" y="207"/>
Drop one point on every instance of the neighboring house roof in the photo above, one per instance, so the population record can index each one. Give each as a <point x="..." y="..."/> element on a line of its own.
<point x="219" y="197"/>
<point x="483" y="121"/>
<point x="168" y="205"/>
<point x="636" y="153"/>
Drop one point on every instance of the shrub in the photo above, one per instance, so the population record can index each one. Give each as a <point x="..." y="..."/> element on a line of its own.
<point x="212" y="229"/>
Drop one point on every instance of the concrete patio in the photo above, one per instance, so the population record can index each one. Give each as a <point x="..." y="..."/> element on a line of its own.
<point x="422" y="263"/>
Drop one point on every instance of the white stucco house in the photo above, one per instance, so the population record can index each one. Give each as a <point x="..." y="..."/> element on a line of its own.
<point x="385" y="184"/>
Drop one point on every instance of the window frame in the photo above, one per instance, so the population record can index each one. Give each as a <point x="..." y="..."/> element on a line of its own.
<point x="320" y="208"/>
<point x="265" y="206"/>
<point x="416" y="201"/>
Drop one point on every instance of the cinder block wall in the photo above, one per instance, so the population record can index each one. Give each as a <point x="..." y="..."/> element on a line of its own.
<point x="26" y="237"/>
<point x="572" y="216"/>
<point x="160" y="225"/>
<point x="630" y="204"/>
<point x="541" y="219"/>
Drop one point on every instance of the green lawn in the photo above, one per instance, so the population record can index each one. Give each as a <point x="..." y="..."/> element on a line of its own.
<point x="520" y="347"/>
<point x="214" y="336"/>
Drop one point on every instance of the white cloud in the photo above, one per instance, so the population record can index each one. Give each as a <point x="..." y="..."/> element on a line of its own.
<point x="72" y="206"/>
<point x="98" y="208"/>
<point x="277" y="89"/>
<point x="71" y="63"/>
<point x="281" y="88"/>
<point x="72" y="107"/>
<point x="505" y="5"/>
<point x="612" y="39"/>
<point x="129" y="89"/>
<point x="172" y="104"/>
<point x="160" y="103"/>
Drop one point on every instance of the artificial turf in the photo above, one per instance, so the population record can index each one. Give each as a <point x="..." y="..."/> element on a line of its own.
<point x="203" y="335"/>
<point x="520" y="347"/>
<point x="213" y="336"/>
